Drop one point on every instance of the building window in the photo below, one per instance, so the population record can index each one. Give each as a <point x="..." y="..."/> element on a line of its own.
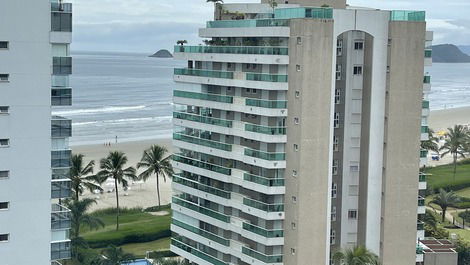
<point x="335" y="167"/>
<point x="336" y="120"/>
<point x="248" y="90"/>
<point x="338" y="72"/>
<point x="335" y="143"/>
<point x="337" y="96"/>
<point x="4" y="77"/>
<point x="4" y="237"/>
<point x="334" y="190"/>
<point x="333" y="214"/>
<point x="354" y="168"/>
<point x="357" y="70"/>
<point x="297" y="94"/>
<point x="339" y="47"/>
<point x="332" y="237"/>
<point x="3" y="45"/>
<point x="352" y="214"/>
<point x="4" y="142"/>
<point x="299" y="40"/>
<point x="297" y="67"/>
<point x="4" y="206"/>
<point x="359" y="45"/>
<point x="4" y="174"/>
<point x="4" y="109"/>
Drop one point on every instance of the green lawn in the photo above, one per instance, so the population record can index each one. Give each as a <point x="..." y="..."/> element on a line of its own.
<point x="140" y="249"/>
<point x="464" y="193"/>
<point x="442" y="177"/>
<point x="463" y="234"/>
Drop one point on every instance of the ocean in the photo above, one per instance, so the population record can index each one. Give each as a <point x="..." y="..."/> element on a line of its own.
<point x="129" y="95"/>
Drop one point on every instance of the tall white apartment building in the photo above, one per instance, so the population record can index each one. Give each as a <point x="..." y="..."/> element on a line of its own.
<point x="35" y="65"/>
<point x="299" y="131"/>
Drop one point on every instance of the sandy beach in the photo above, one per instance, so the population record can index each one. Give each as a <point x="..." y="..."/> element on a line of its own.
<point x="144" y="194"/>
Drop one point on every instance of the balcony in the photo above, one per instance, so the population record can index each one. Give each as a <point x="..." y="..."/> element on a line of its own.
<point x="61" y="158"/>
<point x="61" y="96"/>
<point x="271" y="104"/>
<point x="263" y="232"/>
<point x="427" y="79"/>
<point x="428" y="53"/>
<point x="265" y="129"/>
<point x="60" y="173"/>
<point x="60" y="250"/>
<point x="265" y="155"/>
<point x="263" y="206"/>
<point x="202" y="141"/>
<point x="202" y="210"/>
<point x="62" y="65"/>
<point x="266" y="77"/>
<point x="60" y="217"/>
<point x="248" y="23"/>
<point x="198" y="186"/>
<point x="197" y="253"/>
<point x="259" y="50"/>
<point x="269" y="182"/>
<point x="420" y="226"/>
<point x="408" y="15"/>
<point x="203" y="73"/>
<point x="57" y="6"/>
<point x="425" y="104"/>
<point x="422" y="177"/>
<point x="423" y="153"/>
<point x="421" y="201"/>
<point x="202" y="164"/>
<point x="203" y="233"/>
<point x="61" y="21"/>
<point x="61" y="189"/>
<point x="262" y="257"/>
<point x="61" y="127"/>
<point x="424" y="129"/>
<point x="203" y="96"/>
<point x="303" y="12"/>
<point x="202" y="119"/>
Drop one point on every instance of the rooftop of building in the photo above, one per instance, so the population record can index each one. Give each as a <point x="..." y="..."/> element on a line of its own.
<point x="432" y="245"/>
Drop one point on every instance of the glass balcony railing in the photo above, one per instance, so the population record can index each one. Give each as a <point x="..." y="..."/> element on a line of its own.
<point x="202" y="141"/>
<point x="202" y="210"/>
<point x="61" y="189"/>
<point x="204" y="73"/>
<point x="60" y="217"/>
<point x="206" y="234"/>
<point x="61" y="158"/>
<point x="61" y="250"/>
<point x="271" y="104"/>
<point x="303" y="12"/>
<point x="263" y="232"/>
<point x="408" y="15"/>
<point x="203" y="96"/>
<point x="202" y="119"/>
<point x="423" y="153"/>
<point x="62" y="65"/>
<point x="58" y="6"/>
<point x="265" y="155"/>
<point x="425" y="104"/>
<point x="265" y="129"/>
<point x="61" y="21"/>
<point x="201" y="164"/>
<point x="197" y="253"/>
<point x="61" y="127"/>
<point x="422" y="178"/>
<point x="201" y="187"/>
<point x="262" y="50"/>
<point x="424" y="129"/>
<point x="263" y="206"/>
<point x="420" y="226"/>
<point x="248" y="23"/>
<point x="419" y="250"/>
<point x="61" y="96"/>
<point x="428" y="53"/>
<point x="421" y="201"/>
<point x="60" y="174"/>
<point x="270" y="182"/>
<point x="262" y="257"/>
<point x="266" y="77"/>
<point x="427" y="79"/>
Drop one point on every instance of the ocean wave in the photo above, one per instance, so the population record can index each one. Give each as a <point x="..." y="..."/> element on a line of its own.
<point x="109" y="109"/>
<point x="125" y="121"/>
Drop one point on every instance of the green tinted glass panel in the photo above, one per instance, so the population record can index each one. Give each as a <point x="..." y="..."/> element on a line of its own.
<point x="424" y="129"/>
<point x="427" y="79"/>
<point x="272" y="104"/>
<point x="202" y="119"/>
<point x="266" y="77"/>
<point x="265" y="155"/>
<point x="203" y="96"/>
<point x="201" y="232"/>
<point x="233" y="49"/>
<point x="248" y="23"/>
<point x="270" y="182"/>
<point x="201" y="141"/>
<point x="262" y="257"/>
<point x="204" y="73"/>
<point x="201" y="164"/>
<point x="303" y="12"/>
<point x="197" y="253"/>
<point x="425" y="104"/>
<point x="265" y="129"/>
<point x="263" y="206"/>
<point x="201" y="187"/>
<point x="428" y="53"/>
<point x="408" y="15"/>
<point x="263" y="232"/>
<point x="202" y="210"/>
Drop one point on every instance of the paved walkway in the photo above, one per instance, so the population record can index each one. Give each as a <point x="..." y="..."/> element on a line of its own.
<point x="450" y="217"/>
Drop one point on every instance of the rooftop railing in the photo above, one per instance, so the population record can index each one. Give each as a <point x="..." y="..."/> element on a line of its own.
<point x="248" y="23"/>
<point x="303" y="12"/>
<point x="408" y="15"/>
<point x="233" y="50"/>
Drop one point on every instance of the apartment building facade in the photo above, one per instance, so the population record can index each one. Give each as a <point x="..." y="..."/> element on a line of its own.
<point x="35" y="65"/>
<point x="299" y="131"/>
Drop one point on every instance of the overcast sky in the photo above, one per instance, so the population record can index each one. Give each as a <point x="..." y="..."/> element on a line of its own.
<point x="149" y="25"/>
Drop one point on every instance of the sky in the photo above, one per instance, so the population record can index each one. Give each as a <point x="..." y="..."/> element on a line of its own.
<point x="149" y="25"/>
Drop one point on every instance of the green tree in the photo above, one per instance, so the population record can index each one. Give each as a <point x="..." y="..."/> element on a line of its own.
<point x="155" y="163"/>
<point x="455" y="144"/>
<point x="445" y="199"/>
<point x="356" y="256"/>
<point x="81" y="176"/>
<point x="432" y="144"/>
<point x="181" y="42"/>
<point x="113" y="167"/>
<point x="113" y="255"/>
<point x="463" y="248"/>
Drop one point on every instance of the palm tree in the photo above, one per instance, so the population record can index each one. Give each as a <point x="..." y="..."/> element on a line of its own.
<point x="181" y="42"/>
<point x="81" y="176"/>
<point x="432" y="144"/>
<point x="455" y="144"/>
<point x="272" y="4"/>
<point x="356" y="256"/>
<point x="155" y="162"/>
<point x="445" y="199"/>
<point x="80" y="218"/>
<point x="115" y="256"/>
<point x="113" y="167"/>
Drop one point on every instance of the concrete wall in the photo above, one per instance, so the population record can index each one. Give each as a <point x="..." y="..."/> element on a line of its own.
<point x="402" y="141"/>
<point x="440" y="258"/>
<point x="311" y="186"/>
<point x="26" y="25"/>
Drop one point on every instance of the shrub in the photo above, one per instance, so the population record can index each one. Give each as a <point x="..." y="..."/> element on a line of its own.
<point x="156" y="208"/>
<point x="133" y="238"/>
<point x="161" y="254"/>
<point x="465" y="216"/>
<point x="113" y="211"/>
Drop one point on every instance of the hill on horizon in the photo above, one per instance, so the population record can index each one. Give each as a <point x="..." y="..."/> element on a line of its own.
<point x="449" y="53"/>
<point x="162" y="54"/>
